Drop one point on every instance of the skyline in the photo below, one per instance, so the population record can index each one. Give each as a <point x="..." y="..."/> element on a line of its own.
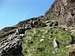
<point x="14" y="11"/>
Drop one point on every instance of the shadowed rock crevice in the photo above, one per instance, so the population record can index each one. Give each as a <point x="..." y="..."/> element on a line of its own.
<point x="14" y="51"/>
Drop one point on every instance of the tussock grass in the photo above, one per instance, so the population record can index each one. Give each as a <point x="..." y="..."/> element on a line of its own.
<point x="38" y="42"/>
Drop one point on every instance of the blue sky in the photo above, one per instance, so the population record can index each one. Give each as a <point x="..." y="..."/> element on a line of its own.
<point x="13" y="11"/>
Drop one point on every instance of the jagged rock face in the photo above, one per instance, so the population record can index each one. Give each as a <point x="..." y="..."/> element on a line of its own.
<point x="11" y="46"/>
<point x="63" y="11"/>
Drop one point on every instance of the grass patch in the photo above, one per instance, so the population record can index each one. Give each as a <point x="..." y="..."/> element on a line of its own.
<point x="38" y="42"/>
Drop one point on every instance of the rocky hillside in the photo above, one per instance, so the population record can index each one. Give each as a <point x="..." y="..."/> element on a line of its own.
<point x="63" y="11"/>
<point x="37" y="34"/>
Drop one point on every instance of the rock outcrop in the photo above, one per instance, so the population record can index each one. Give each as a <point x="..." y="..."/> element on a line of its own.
<point x="11" y="45"/>
<point x="63" y="11"/>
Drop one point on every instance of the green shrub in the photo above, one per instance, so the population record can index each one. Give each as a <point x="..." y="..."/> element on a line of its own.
<point x="38" y="42"/>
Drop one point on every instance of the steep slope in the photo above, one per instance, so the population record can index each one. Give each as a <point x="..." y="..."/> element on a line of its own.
<point x="40" y="32"/>
<point x="63" y="11"/>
